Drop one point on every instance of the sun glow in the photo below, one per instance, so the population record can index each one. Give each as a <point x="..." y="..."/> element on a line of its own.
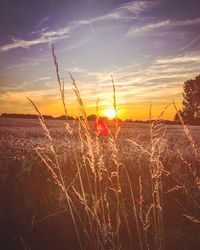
<point x="110" y="113"/>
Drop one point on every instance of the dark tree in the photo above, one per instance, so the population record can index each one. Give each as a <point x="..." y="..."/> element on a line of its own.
<point x="92" y="117"/>
<point x="191" y="101"/>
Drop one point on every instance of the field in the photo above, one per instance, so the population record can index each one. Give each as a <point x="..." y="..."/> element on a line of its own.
<point x="67" y="188"/>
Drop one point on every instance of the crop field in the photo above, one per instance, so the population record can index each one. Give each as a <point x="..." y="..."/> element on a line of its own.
<point x="65" y="187"/>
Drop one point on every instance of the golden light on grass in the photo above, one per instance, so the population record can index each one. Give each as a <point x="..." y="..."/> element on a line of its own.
<point x="128" y="170"/>
<point x="110" y="113"/>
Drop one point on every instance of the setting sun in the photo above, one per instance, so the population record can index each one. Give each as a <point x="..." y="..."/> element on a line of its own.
<point x="110" y="113"/>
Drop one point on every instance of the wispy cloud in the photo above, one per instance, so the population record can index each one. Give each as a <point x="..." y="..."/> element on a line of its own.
<point x="126" y="11"/>
<point x="188" y="45"/>
<point x="45" y="37"/>
<point x="160" y="80"/>
<point x="42" y="21"/>
<point x="77" y="45"/>
<point x="20" y="97"/>
<point x="164" y="24"/>
<point x="44" y="78"/>
<point x="76" y="70"/>
<point x="184" y="59"/>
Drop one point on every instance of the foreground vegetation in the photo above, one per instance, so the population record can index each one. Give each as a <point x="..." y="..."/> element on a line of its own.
<point x="136" y="190"/>
<point x="67" y="186"/>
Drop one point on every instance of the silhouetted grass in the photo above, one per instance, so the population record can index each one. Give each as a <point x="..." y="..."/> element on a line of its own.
<point x="66" y="187"/>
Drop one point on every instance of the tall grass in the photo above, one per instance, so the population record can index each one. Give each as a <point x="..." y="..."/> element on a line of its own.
<point x="110" y="207"/>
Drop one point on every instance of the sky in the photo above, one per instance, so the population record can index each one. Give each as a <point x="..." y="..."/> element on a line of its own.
<point x="149" y="47"/>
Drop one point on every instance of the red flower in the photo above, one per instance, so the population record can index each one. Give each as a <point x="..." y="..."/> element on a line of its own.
<point x="101" y="127"/>
<point x="138" y="201"/>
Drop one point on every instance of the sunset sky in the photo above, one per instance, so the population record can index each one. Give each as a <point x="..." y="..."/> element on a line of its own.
<point x="150" y="48"/>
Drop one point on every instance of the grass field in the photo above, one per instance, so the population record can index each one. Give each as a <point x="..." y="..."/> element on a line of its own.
<point x="133" y="189"/>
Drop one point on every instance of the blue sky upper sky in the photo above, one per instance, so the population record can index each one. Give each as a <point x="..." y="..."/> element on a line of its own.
<point x="150" y="47"/>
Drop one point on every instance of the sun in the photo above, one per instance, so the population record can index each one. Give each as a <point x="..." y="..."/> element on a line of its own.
<point x="110" y="113"/>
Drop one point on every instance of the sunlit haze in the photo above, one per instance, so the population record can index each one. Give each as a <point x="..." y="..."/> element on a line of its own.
<point x="150" y="48"/>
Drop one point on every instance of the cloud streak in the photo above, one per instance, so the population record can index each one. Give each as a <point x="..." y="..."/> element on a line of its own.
<point x="45" y="37"/>
<point x="127" y="11"/>
<point x="166" y="24"/>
